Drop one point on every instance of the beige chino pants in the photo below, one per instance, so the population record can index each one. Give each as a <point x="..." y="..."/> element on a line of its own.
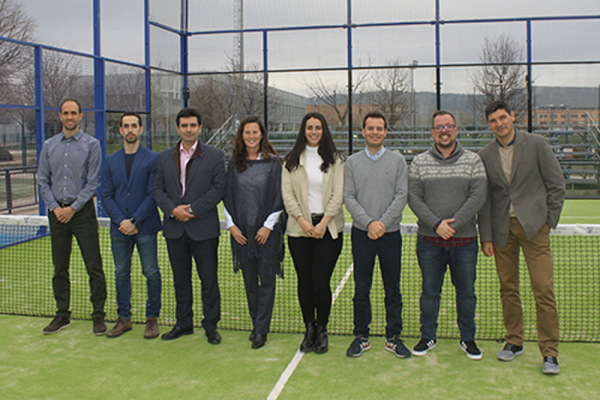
<point x="538" y="258"/>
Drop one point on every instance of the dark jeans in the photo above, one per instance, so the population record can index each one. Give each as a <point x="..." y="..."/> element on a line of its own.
<point x="433" y="261"/>
<point x="204" y="252"/>
<point x="84" y="226"/>
<point x="389" y="249"/>
<point x="314" y="260"/>
<point x="122" y="248"/>
<point x="260" y="292"/>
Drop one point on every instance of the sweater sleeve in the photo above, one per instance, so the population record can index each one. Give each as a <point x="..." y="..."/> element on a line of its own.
<point x="400" y="195"/>
<point x="351" y="196"/>
<point x="416" y="197"/>
<point x="476" y="197"/>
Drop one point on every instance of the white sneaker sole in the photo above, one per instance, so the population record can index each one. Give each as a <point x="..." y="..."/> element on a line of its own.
<point x="422" y="353"/>
<point x="471" y="356"/>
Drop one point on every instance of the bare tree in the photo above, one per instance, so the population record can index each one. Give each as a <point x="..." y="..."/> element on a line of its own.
<point x="14" y="24"/>
<point x="335" y="96"/>
<point x="500" y="78"/>
<point x="235" y="95"/>
<point x="392" y="93"/>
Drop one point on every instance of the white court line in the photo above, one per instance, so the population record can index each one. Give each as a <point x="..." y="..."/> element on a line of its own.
<point x="298" y="356"/>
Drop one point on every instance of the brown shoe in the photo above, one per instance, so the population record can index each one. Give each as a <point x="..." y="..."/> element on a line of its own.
<point x="151" y="328"/>
<point x="99" y="326"/>
<point x="122" y="326"/>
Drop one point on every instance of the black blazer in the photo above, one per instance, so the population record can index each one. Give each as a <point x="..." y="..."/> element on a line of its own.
<point x="205" y="186"/>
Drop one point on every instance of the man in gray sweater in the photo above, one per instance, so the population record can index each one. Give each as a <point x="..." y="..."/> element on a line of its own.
<point x="447" y="188"/>
<point x="375" y="192"/>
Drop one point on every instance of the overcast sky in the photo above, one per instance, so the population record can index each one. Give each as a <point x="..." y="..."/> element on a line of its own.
<point x="68" y="24"/>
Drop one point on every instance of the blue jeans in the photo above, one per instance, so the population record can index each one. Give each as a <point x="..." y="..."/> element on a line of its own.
<point x="389" y="249"/>
<point x="122" y="249"/>
<point x="433" y="261"/>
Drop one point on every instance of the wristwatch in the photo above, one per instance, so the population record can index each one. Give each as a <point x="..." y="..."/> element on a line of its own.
<point x="133" y="221"/>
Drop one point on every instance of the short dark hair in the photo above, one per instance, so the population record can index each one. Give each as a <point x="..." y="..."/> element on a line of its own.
<point x="374" y="114"/>
<point x="130" y="114"/>
<point x="441" y="112"/>
<point x="189" y="112"/>
<point x="74" y="101"/>
<point x="495" y="106"/>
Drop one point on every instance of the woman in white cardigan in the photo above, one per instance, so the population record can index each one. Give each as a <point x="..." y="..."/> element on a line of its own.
<point x="312" y="184"/>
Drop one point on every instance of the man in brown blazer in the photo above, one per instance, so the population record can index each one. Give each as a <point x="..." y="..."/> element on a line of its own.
<point x="526" y="191"/>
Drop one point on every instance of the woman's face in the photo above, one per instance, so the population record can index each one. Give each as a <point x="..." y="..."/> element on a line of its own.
<point x="313" y="132"/>
<point x="252" y="137"/>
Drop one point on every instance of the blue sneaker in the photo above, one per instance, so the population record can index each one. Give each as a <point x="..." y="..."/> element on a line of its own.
<point x="396" y="346"/>
<point x="358" y="345"/>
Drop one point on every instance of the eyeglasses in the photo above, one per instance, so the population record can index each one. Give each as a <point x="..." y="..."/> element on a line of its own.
<point x="440" y="128"/>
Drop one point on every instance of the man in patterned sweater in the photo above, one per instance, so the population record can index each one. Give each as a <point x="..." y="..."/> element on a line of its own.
<point x="447" y="188"/>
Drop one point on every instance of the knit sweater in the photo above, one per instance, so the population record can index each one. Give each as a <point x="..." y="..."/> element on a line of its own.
<point x="445" y="188"/>
<point x="376" y="190"/>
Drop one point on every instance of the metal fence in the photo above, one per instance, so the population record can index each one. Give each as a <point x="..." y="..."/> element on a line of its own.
<point x="342" y="58"/>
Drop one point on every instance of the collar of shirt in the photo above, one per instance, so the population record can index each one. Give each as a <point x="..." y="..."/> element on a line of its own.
<point x="189" y="153"/>
<point x="375" y="156"/>
<point x="76" y="136"/>
<point x="511" y="142"/>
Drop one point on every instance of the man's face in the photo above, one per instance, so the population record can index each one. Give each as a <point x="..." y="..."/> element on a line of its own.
<point x="70" y="116"/>
<point x="130" y="129"/>
<point x="502" y="123"/>
<point x="189" y="130"/>
<point x="444" y="131"/>
<point x="374" y="132"/>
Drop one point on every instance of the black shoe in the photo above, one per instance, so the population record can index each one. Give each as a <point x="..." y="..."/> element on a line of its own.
<point x="177" y="332"/>
<point x="99" y="327"/>
<point x="259" y="340"/>
<point x="213" y="336"/>
<point x="59" y="322"/>
<point x="321" y="344"/>
<point x="252" y="335"/>
<point x="309" y="338"/>
<point x="423" y="347"/>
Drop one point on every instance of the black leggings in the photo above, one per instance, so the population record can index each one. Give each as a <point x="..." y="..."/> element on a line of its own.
<point x="314" y="260"/>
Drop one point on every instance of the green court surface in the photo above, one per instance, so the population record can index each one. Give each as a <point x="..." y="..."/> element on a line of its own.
<point x="74" y="364"/>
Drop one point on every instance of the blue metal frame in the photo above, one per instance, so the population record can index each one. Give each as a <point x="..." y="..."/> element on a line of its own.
<point x="147" y="71"/>
<point x="39" y="113"/>
<point x="184" y="40"/>
<point x="183" y="31"/>
<point x="350" y="80"/>
<point x="99" y="94"/>
<point x="266" y="80"/>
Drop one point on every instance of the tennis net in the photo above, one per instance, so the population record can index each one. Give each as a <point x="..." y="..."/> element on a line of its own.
<point x="26" y="285"/>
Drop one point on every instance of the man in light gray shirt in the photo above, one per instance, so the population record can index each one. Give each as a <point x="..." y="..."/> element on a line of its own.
<point x="68" y="175"/>
<point x="375" y="193"/>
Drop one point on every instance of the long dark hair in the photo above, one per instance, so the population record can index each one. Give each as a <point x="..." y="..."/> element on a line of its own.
<point x="326" y="150"/>
<point x="240" y="155"/>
